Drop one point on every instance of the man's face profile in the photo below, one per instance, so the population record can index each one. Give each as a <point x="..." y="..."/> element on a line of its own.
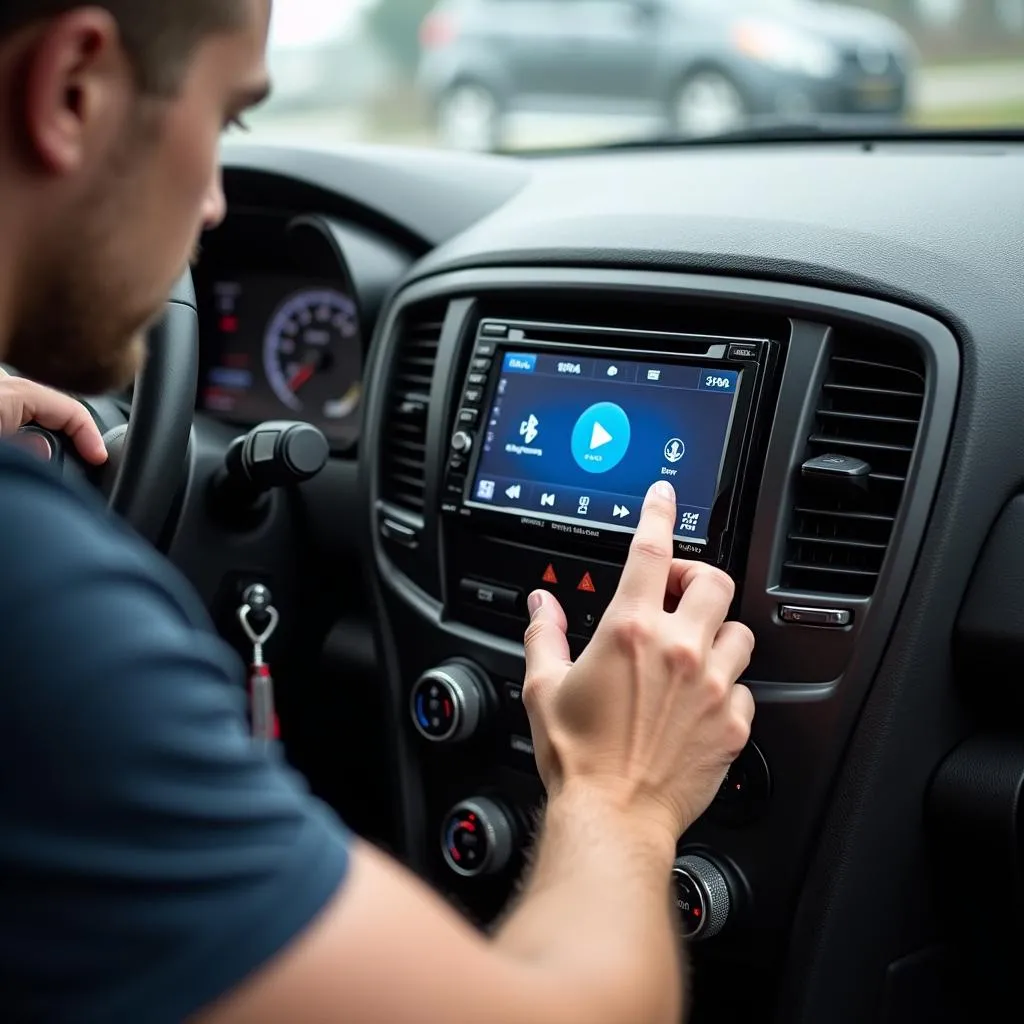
<point x="108" y="180"/>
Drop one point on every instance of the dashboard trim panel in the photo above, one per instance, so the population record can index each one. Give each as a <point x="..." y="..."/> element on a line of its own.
<point x="801" y="375"/>
<point x="802" y="728"/>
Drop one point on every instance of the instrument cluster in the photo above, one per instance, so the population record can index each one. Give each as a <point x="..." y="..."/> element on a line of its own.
<point x="283" y="347"/>
<point x="287" y="304"/>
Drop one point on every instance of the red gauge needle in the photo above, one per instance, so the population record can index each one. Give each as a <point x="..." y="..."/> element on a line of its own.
<point x="303" y="375"/>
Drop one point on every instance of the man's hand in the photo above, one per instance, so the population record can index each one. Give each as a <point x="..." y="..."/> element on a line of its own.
<point x="23" y="401"/>
<point x="649" y="717"/>
<point x="632" y="741"/>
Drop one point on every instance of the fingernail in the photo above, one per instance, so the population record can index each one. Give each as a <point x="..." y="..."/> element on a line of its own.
<point x="663" y="489"/>
<point x="535" y="602"/>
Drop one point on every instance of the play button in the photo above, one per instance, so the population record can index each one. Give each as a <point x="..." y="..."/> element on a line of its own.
<point x="601" y="437"/>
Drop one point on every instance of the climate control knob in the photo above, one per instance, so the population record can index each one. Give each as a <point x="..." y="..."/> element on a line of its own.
<point x="477" y="837"/>
<point x="702" y="896"/>
<point x="448" y="702"/>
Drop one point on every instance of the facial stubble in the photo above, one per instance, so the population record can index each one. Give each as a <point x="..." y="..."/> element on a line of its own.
<point x="84" y="315"/>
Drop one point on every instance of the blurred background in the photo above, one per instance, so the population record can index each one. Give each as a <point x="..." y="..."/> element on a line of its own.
<point x="526" y="74"/>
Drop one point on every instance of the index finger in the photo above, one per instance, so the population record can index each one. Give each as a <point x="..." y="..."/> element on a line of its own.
<point x="645" y="574"/>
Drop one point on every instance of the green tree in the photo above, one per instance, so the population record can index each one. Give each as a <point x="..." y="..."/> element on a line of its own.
<point x="395" y="24"/>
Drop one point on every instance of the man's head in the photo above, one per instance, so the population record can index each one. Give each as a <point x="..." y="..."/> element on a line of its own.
<point x="110" y="118"/>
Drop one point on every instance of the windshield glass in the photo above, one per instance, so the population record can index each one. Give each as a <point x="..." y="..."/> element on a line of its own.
<point x="526" y="74"/>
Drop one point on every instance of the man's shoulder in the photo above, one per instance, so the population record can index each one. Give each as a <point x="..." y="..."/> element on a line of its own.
<point x="53" y="534"/>
<point x="26" y="477"/>
<point x="184" y="855"/>
<point x="37" y="504"/>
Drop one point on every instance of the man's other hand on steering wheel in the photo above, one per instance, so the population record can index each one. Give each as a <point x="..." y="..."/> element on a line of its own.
<point x="24" y="401"/>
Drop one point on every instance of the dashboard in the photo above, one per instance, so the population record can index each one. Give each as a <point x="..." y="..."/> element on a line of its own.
<point x="819" y="344"/>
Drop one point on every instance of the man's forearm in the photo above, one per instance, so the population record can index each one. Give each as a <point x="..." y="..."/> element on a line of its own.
<point x="592" y="940"/>
<point x="596" y="914"/>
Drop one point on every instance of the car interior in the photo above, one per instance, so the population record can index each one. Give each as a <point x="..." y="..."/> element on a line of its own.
<point x="414" y="370"/>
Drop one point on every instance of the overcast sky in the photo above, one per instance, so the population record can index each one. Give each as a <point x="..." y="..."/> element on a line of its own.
<point x="302" y="22"/>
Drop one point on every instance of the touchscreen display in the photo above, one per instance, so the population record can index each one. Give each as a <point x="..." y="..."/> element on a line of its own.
<point x="580" y="440"/>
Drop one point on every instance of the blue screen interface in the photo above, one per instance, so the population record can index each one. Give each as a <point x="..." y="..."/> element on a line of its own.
<point x="580" y="440"/>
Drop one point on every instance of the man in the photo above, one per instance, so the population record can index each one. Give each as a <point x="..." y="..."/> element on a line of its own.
<point x="155" y="864"/>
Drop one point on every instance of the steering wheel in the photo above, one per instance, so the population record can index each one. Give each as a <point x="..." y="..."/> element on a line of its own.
<point x="147" y="467"/>
<point x="148" y="444"/>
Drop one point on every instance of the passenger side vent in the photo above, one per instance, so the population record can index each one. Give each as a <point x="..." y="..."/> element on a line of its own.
<point x="868" y="415"/>
<point x="404" y="447"/>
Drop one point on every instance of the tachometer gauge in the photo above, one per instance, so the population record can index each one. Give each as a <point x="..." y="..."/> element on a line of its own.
<point x="312" y="354"/>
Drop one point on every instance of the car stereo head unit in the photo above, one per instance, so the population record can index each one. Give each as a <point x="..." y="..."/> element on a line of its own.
<point x="563" y="429"/>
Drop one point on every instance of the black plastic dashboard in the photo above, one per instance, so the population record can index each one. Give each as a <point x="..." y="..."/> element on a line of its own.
<point x="888" y="279"/>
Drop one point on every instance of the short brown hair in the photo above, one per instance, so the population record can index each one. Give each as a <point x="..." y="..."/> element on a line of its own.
<point x="159" y="36"/>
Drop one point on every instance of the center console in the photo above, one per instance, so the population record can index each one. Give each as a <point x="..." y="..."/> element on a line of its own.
<point x="560" y="431"/>
<point x="517" y="417"/>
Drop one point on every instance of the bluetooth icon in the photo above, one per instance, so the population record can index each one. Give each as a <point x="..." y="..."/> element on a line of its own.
<point x="528" y="429"/>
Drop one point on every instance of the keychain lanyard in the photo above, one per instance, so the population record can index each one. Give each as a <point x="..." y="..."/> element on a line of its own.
<point x="262" y="712"/>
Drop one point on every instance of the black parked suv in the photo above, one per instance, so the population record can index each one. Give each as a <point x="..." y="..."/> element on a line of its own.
<point x="697" y="67"/>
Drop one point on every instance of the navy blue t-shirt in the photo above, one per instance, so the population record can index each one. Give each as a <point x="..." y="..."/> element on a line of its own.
<point x="151" y="855"/>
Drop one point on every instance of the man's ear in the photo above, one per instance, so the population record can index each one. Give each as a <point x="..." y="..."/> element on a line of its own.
<point x="78" y="86"/>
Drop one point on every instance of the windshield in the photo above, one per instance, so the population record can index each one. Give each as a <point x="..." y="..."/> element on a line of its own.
<point x="516" y="75"/>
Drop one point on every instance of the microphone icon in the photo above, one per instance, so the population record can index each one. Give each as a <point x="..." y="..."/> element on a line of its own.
<point x="675" y="450"/>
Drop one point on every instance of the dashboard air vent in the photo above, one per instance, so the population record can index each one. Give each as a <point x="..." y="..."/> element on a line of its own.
<point x="850" y="487"/>
<point x="404" y="448"/>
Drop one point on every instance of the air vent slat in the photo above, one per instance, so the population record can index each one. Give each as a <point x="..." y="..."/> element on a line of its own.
<point x="411" y="480"/>
<point x="409" y="444"/>
<point x="838" y="542"/>
<point x="870" y="409"/>
<point x="408" y="462"/>
<point x="410" y="500"/>
<point x="855" y="389"/>
<point x="834" y="414"/>
<point x="404" y="447"/>
<point x="876" y="365"/>
<point x="849" y="442"/>
<point x="836" y="570"/>
<point x="411" y="411"/>
<point x="860" y="516"/>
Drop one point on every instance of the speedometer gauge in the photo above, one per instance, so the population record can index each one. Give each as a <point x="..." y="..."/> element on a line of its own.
<point x="312" y="354"/>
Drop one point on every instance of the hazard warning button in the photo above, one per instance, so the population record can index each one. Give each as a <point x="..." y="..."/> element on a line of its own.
<point x="550" y="576"/>
<point x="587" y="584"/>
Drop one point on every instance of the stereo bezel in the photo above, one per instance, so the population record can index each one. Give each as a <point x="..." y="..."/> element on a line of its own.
<point x="751" y="356"/>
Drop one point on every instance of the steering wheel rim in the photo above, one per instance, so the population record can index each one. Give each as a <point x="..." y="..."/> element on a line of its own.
<point x="152" y="461"/>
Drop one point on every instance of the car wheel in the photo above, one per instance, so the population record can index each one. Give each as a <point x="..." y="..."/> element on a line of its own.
<point x="469" y="118"/>
<point x="708" y="103"/>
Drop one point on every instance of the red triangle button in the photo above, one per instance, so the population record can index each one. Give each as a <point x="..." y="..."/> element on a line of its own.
<point x="550" y="576"/>
<point x="587" y="584"/>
